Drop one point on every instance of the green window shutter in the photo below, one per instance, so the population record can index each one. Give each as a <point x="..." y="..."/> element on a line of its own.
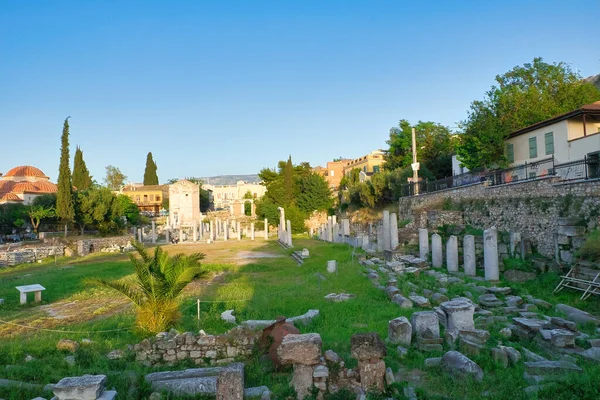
<point x="549" y="138"/>
<point x="510" y="153"/>
<point x="533" y="147"/>
<point x="376" y="168"/>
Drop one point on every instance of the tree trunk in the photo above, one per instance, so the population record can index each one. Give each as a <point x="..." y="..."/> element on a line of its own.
<point x="66" y="229"/>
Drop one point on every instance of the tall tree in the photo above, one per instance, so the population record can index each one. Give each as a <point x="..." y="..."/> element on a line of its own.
<point x="313" y="193"/>
<point x="81" y="176"/>
<point x="64" y="197"/>
<point x="150" y="175"/>
<point x="114" y="178"/>
<point x="288" y="182"/>
<point x="521" y="97"/>
<point x="434" y="146"/>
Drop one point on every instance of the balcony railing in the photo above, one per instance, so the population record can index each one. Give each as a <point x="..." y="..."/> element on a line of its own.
<point x="588" y="168"/>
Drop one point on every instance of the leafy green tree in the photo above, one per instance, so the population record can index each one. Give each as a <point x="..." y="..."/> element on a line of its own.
<point x="64" y="197"/>
<point x="9" y="213"/>
<point x="156" y="286"/>
<point x="266" y="208"/>
<point x="150" y="175"/>
<point x="114" y="178"/>
<point x="434" y="147"/>
<point x="37" y="214"/>
<point x="297" y="218"/>
<point x="45" y="200"/>
<point x="397" y="180"/>
<point x="521" y="97"/>
<point x="99" y="208"/>
<point x="127" y="208"/>
<point x="81" y="176"/>
<point x="313" y="194"/>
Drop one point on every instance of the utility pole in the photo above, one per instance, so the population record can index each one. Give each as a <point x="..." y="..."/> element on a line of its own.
<point x="415" y="164"/>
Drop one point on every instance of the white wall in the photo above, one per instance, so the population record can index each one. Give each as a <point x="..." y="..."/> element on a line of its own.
<point x="569" y="142"/>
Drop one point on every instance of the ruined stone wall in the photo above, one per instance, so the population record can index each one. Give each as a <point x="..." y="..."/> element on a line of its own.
<point x="532" y="208"/>
<point x="29" y="254"/>
<point x="87" y="246"/>
<point x="201" y="348"/>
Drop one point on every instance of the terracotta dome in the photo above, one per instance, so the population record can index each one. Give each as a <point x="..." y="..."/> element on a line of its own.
<point x="6" y="186"/>
<point x="26" y="170"/>
<point x="10" y="197"/>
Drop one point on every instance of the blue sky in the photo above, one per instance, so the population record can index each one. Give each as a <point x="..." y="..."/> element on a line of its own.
<point x="230" y="87"/>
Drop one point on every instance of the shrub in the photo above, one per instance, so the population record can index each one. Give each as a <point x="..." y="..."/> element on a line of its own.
<point x="591" y="248"/>
<point x="156" y="285"/>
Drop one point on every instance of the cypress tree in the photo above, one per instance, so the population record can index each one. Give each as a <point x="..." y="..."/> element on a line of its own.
<point x="150" y="175"/>
<point x="65" y="209"/>
<point x="81" y="176"/>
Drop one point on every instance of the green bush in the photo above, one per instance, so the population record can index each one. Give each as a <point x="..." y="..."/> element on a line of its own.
<point x="297" y="218"/>
<point x="591" y="248"/>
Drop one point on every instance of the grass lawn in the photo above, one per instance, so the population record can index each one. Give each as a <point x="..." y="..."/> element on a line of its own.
<point x="261" y="288"/>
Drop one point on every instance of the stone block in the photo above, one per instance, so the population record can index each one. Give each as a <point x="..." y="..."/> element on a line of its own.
<point x="533" y="325"/>
<point x="420" y="301"/>
<point x="302" y="379"/>
<point x="402" y="301"/>
<point x="566" y="221"/>
<point x="366" y="346"/>
<point x="490" y="300"/>
<point x="513" y="355"/>
<point x="479" y="336"/>
<point x="372" y="375"/>
<point x="551" y="367"/>
<point x="500" y="356"/>
<point x="563" y="240"/>
<point x="86" y="387"/>
<point x="571" y="230"/>
<point x="400" y="331"/>
<point x="459" y="314"/>
<point x="562" y="338"/>
<point x="230" y="383"/>
<point x="302" y="349"/>
<point x="469" y="348"/>
<point x="257" y="393"/>
<point x="425" y="324"/>
<point x="192" y="381"/>
<point x="439" y="298"/>
<point x="566" y="256"/>
<point x="458" y="364"/>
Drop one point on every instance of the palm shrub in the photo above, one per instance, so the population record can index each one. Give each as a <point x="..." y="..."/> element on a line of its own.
<point x="156" y="286"/>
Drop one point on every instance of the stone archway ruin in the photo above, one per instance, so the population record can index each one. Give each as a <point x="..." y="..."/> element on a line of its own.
<point x="238" y="208"/>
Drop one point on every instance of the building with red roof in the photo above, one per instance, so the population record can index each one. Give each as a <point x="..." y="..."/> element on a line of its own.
<point x="23" y="184"/>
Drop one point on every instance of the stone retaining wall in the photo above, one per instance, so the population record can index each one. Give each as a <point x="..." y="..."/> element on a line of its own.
<point x="201" y="348"/>
<point x="532" y="208"/>
<point x="88" y="246"/>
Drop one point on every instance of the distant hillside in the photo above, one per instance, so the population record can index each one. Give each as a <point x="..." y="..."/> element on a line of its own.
<point x="229" y="179"/>
<point x="595" y="79"/>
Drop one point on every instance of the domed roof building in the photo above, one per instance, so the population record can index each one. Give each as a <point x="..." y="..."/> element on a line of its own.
<point x="23" y="184"/>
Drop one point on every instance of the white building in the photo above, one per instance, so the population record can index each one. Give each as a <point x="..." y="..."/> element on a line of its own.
<point x="184" y="204"/>
<point x="568" y="137"/>
<point x="225" y="195"/>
